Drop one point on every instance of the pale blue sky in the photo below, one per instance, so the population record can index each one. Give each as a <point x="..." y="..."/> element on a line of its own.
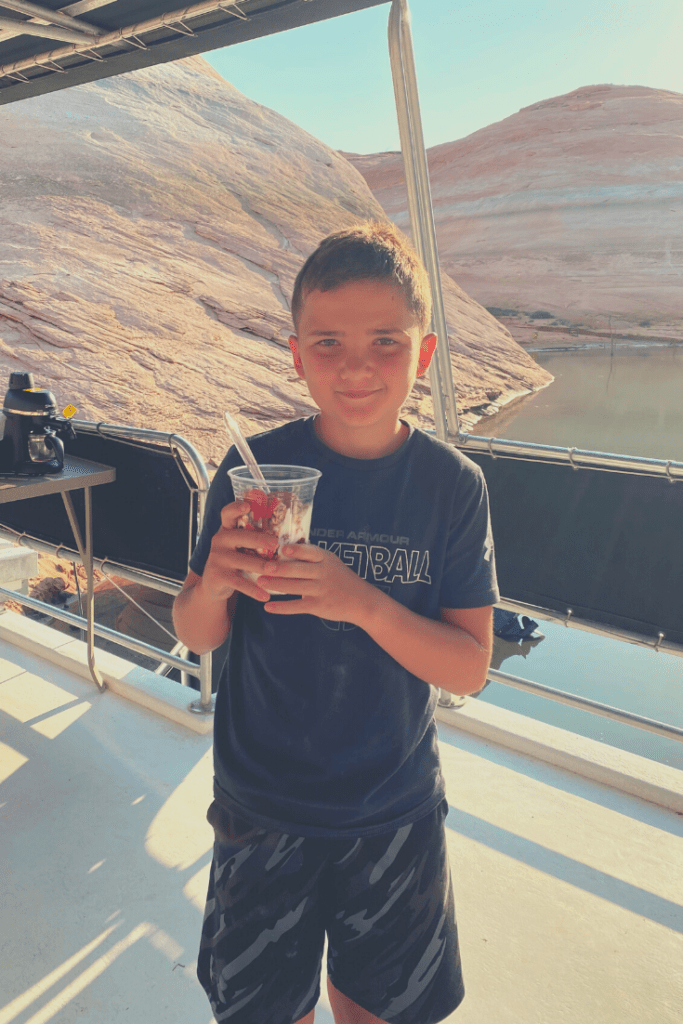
<point x="478" y="61"/>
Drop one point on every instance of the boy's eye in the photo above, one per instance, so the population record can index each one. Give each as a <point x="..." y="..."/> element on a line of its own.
<point x="328" y="342"/>
<point x="386" y="341"/>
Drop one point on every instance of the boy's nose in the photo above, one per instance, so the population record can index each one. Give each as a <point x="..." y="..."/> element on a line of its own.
<point x="355" y="364"/>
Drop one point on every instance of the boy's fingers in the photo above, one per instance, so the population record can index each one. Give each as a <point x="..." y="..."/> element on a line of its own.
<point x="247" y="562"/>
<point x="303" y="552"/>
<point x="230" y="514"/>
<point x="294" y="570"/>
<point x="253" y="540"/>
<point x="230" y="551"/>
<point x="251" y="545"/>
<point x="295" y="586"/>
<point x="250" y="589"/>
<point x="305" y="605"/>
<point x="244" y="584"/>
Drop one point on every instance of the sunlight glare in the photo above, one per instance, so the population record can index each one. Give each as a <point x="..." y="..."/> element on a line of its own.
<point x="56" y="724"/>
<point x="16" y="1006"/>
<point x="179" y="835"/>
<point x="89" y="975"/>
<point x="195" y="888"/>
<point x="10" y="760"/>
<point x="27" y="696"/>
<point x="162" y="941"/>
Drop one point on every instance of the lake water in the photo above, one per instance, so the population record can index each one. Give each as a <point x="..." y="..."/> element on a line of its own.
<point x="627" y="401"/>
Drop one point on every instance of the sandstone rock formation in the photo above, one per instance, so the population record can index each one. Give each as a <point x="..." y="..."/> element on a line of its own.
<point x="150" y="232"/>
<point x="571" y="209"/>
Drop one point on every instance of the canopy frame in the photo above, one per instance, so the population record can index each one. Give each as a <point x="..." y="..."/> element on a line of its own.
<point x="124" y="35"/>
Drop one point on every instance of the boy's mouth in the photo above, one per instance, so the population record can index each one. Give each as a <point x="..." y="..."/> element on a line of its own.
<point x="357" y="394"/>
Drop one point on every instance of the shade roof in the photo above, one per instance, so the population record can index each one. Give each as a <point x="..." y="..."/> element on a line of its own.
<point x="46" y="45"/>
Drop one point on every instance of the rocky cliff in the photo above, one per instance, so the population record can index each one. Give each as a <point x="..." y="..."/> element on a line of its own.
<point x="151" y="229"/>
<point x="565" y="219"/>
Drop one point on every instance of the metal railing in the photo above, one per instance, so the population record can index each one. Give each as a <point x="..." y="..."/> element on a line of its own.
<point x="103" y="564"/>
<point x="572" y="700"/>
<point x="586" y="625"/>
<point x="206" y="703"/>
<point x="578" y="458"/>
<point x="420" y="209"/>
<point x="424" y="237"/>
<point x="202" y="671"/>
<point x="443" y="394"/>
<point x="174" y="441"/>
<point x="441" y="375"/>
<point x="129" y="642"/>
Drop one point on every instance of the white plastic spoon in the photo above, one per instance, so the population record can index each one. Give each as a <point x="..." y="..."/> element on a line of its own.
<point x="245" y="451"/>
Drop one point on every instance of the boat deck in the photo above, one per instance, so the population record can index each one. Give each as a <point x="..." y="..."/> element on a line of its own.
<point x="568" y="891"/>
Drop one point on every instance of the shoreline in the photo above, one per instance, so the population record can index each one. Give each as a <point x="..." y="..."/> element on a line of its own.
<point x="498" y="406"/>
<point x="605" y="345"/>
<point x="544" y="337"/>
<point x="639" y="415"/>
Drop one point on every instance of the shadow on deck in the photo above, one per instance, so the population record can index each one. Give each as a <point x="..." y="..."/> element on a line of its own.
<point x="568" y="892"/>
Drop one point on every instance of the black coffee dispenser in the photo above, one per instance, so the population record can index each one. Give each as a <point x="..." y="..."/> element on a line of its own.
<point x="31" y="431"/>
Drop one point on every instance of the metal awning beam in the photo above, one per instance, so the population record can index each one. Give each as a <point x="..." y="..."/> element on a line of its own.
<point x="32" y="28"/>
<point x="82" y="42"/>
<point x="51" y="17"/>
<point x="155" y="37"/>
<point x="80" y="7"/>
<point x="83" y="6"/>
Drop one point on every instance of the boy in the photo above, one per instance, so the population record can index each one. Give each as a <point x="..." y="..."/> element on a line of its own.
<point x="329" y="800"/>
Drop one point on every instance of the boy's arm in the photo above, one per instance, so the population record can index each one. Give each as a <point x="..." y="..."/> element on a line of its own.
<point x="200" y="622"/>
<point x="453" y="654"/>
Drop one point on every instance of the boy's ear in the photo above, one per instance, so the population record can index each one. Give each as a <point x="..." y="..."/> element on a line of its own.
<point x="294" y="349"/>
<point x="426" y="352"/>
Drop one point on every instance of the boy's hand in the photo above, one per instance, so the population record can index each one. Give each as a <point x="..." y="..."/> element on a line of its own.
<point x="222" y="576"/>
<point x="327" y="586"/>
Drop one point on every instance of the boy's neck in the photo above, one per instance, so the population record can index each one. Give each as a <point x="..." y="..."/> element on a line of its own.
<point x="361" y="444"/>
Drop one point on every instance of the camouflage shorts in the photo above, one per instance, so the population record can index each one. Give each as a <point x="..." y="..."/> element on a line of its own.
<point x="385" y="902"/>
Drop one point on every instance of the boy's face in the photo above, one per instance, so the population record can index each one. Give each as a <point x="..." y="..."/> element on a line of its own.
<point x="359" y="349"/>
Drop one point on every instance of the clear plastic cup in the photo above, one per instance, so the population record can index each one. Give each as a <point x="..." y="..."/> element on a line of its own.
<point x="285" y="511"/>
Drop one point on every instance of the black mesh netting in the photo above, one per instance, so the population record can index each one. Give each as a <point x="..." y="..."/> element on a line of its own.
<point x="146" y="519"/>
<point x="605" y="544"/>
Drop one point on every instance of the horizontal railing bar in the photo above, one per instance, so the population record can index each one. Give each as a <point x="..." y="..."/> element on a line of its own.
<point x="560" y="696"/>
<point x="139" y="646"/>
<point x="578" y="457"/>
<point x="103" y="564"/>
<point x="660" y="646"/>
<point x="158" y="436"/>
<point x="164" y="666"/>
<point x="585" y="704"/>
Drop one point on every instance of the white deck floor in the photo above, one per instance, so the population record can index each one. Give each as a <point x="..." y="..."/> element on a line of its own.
<point x="568" y="892"/>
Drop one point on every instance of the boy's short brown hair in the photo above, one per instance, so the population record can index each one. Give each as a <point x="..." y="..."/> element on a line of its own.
<point x="368" y="252"/>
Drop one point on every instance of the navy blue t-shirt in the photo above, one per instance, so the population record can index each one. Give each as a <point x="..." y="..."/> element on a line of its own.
<point x="318" y="731"/>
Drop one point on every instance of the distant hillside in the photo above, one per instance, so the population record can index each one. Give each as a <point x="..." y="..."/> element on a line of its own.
<point x="150" y="232"/>
<point x="571" y="209"/>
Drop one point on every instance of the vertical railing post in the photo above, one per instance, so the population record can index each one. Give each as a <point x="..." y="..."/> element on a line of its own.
<point x="420" y="210"/>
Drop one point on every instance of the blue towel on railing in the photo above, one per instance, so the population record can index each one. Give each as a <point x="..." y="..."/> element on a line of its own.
<point x="507" y="625"/>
